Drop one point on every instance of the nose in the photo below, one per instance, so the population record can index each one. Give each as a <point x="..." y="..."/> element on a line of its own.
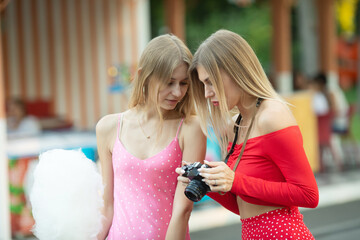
<point x="209" y="92"/>
<point x="176" y="91"/>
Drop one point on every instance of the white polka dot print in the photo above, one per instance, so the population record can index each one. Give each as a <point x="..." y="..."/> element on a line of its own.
<point x="143" y="193"/>
<point x="282" y="224"/>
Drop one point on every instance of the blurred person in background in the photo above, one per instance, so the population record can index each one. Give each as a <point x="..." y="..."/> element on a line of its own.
<point x="273" y="177"/>
<point x="300" y="81"/>
<point x="19" y="123"/>
<point x="140" y="148"/>
<point x="325" y="108"/>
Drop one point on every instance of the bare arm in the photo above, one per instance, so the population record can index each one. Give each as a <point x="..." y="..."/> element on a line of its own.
<point x="194" y="149"/>
<point x="105" y="131"/>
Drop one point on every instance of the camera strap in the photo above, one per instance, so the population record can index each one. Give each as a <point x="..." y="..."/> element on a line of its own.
<point x="259" y="100"/>
<point x="236" y="130"/>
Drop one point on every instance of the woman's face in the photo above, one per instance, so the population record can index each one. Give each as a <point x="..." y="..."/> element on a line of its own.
<point x="209" y="88"/>
<point x="174" y="91"/>
<point x="231" y="89"/>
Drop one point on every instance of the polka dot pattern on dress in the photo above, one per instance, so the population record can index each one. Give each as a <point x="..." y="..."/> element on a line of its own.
<point x="143" y="192"/>
<point x="281" y="224"/>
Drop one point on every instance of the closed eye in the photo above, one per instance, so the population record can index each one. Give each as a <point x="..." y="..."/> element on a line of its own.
<point x="207" y="82"/>
<point x="184" y="83"/>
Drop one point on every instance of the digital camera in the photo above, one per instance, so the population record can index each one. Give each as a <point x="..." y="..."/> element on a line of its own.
<point x="196" y="189"/>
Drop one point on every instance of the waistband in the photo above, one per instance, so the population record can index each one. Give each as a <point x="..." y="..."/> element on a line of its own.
<point x="290" y="211"/>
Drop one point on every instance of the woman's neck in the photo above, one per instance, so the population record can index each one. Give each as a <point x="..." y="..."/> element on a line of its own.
<point x="146" y="113"/>
<point x="247" y="106"/>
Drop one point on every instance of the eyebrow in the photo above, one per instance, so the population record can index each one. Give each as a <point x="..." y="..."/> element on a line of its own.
<point x="180" y="80"/>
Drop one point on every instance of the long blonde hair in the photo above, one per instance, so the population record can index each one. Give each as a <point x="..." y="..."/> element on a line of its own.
<point x="227" y="51"/>
<point x="157" y="63"/>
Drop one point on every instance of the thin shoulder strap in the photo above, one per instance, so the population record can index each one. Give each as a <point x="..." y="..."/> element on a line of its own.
<point x="177" y="133"/>
<point x="119" y="125"/>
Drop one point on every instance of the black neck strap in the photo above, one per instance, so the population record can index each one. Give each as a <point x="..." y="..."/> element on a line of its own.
<point x="236" y="131"/>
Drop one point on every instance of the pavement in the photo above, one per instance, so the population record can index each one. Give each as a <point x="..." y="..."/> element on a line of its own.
<point x="334" y="188"/>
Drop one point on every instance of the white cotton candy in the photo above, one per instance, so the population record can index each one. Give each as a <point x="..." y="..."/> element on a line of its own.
<point x="66" y="197"/>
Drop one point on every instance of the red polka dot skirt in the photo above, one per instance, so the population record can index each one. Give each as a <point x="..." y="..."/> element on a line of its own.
<point x="281" y="224"/>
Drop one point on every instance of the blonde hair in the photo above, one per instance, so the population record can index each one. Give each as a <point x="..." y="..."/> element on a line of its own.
<point x="157" y="63"/>
<point x="227" y="51"/>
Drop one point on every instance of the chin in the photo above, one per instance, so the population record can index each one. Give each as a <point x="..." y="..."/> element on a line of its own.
<point x="168" y="108"/>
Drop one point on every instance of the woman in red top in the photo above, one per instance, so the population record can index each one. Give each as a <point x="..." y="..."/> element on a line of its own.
<point x="273" y="177"/>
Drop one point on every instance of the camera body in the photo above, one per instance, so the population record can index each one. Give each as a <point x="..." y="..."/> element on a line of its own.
<point x="196" y="189"/>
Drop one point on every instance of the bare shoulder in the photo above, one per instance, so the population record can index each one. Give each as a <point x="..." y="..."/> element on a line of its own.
<point x="191" y="132"/>
<point x="192" y="125"/>
<point x="107" y="124"/>
<point x="275" y="115"/>
<point x="193" y="140"/>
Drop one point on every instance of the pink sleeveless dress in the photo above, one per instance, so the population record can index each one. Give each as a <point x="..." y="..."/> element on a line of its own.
<point x="144" y="191"/>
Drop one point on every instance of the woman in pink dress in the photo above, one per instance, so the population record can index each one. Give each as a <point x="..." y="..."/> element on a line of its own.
<point x="140" y="148"/>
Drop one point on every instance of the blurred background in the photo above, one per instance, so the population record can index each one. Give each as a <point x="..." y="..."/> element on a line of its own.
<point x="66" y="63"/>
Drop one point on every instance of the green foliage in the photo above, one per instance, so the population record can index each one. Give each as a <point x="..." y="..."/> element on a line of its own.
<point x="204" y="17"/>
<point x="157" y="17"/>
<point x="252" y="22"/>
<point x="355" y="127"/>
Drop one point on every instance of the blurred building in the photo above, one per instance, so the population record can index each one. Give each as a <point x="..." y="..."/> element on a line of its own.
<point x="73" y="58"/>
<point x="60" y="52"/>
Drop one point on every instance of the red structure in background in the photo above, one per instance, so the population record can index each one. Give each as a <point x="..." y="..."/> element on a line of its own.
<point x="39" y="108"/>
<point x="347" y="52"/>
<point x="43" y="110"/>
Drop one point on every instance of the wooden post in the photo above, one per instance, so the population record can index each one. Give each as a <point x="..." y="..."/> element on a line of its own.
<point x="281" y="41"/>
<point x="175" y="17"/>
<point x="327" y="35"/>
<point x="327" y="41"/>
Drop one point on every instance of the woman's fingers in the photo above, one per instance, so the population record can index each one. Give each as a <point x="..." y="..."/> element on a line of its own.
<point x="179" y="171"/>
<point x="219" y="177"/>
<point x="219" y="185"/>
<point x="215" y="163"/>
<point x="218" y="188"/>
<point x="213" y="182"/>
<point x="217" y="168"/>
<point x="184" y="163"/>
<point x="182" y="179"/>
<point x="211" y="176"/>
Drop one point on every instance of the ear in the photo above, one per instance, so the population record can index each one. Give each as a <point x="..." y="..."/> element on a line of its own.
<point x="139" y="71"/>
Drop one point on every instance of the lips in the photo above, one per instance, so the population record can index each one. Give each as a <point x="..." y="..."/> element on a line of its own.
<point x="173" y="101"/>
<point x="215" y="103"/>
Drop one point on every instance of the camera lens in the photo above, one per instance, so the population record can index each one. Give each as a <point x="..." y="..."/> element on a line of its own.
<point x="196" y="190"/>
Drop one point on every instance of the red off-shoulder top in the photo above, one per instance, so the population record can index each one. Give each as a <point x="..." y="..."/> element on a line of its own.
<point x="273" y="171"/>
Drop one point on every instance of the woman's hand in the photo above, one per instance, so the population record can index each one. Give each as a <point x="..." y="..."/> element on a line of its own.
<point x="180" y="178"/>
<point x="219" y="177"/>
